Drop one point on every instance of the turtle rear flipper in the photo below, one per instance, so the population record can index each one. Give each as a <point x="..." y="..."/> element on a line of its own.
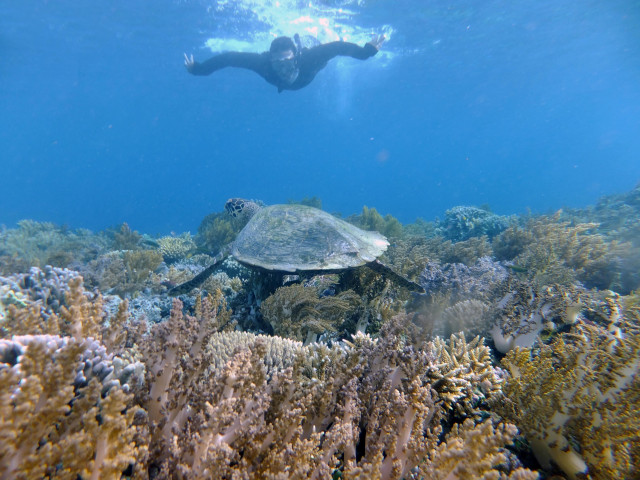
<point x="379" y="267"/>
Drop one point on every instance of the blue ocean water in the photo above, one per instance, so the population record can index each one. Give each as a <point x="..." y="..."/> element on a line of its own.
<point x="519" y="105"/>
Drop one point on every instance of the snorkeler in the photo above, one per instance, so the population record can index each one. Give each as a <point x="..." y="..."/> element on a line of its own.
<point x="287" y="65"/>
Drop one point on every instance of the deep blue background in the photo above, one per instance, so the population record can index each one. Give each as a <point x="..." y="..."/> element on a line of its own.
<point x="531" y="104"/>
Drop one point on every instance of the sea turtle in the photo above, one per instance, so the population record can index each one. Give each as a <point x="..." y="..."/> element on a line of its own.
<point x="298" y="238"/>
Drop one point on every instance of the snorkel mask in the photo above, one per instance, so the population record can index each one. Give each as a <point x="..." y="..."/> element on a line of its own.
<point x="284" y="60"/>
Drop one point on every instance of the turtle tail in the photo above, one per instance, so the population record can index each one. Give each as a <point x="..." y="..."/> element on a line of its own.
<point x="196" y="281"/>
<point x="387" y="272"/>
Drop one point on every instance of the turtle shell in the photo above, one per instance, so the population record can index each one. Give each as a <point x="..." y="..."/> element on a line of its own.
<point x="294" y="238"/>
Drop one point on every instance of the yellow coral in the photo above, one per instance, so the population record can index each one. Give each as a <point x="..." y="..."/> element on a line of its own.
<point x="51" y="429"/>
<point x="465" y="375"/>
<point x="473" y="452"/>
<point x="584" y="386"/>
<point x="176" y="248"/>
<point x="53" y="422"/>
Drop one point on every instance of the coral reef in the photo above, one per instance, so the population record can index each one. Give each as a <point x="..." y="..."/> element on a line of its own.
<point x="576" y="400"/>
<point x="215" y="231"/>
<point x="48" y="287"/>
<point x="463" y="223"/>
<point x="126" y="239"/>
<point x="236" y="405"/>
<point x="410" y="255"/>
<point x="65" y="410"/>
<point x="451" y="459"/>
<point x="401" y="386"/>
<point x="363" y="410"/>
<point x="460" y="282"/>
<point x="41" y="243"/>
<point x="52" y="428"/>
<point x="123" y="273"/>
<point x="299" y="313"/>
<point x="370" y="219"/>
<point x="524" y="311"/>
<point x="549" y="251"/>
<point x="175" y="248"/>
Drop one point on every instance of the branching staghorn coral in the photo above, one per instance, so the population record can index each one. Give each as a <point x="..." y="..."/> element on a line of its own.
<point x="464" y="376"/>
<point x="234" y="405"/>
<point x="474" y="451"/>
<point x="65" y="410"/>
<point x="581" y="390"/>
<point x="364" y="410"/>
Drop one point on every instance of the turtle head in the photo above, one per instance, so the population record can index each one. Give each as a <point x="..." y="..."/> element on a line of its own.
<point x="241" y="209"/>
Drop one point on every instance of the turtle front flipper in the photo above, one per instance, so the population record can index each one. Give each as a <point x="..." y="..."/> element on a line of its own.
<point x="201" y="277"/>
<point x="386" y="271"/>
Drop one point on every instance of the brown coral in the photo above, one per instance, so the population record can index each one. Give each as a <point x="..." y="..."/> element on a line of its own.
<point x="550" y="251"/>
<point x="299" y="313"/>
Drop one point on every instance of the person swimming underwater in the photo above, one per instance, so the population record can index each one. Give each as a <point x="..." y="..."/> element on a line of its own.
<point x="287" y="64"/>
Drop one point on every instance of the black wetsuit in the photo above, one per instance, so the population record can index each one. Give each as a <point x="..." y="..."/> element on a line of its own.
<point x="309" y="61"/>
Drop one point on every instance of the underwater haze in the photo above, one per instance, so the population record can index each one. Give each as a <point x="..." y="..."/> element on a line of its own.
<point x="519" y="105"/>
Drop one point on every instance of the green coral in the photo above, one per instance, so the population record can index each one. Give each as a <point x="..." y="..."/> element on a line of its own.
<point x="126" y="239"/>
<point x="215" y="231"/>
<point x="550" y="251"/>
<point x="370" y="219"/>
<point x="42" y="243"/>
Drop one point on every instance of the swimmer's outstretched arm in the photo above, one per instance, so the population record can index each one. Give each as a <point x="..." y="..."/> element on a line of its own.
<point x="324" y="53"/>
<point x="252" y="61"/>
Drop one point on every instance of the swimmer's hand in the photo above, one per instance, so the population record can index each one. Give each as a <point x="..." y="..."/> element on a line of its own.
<point x="189" y="62"/>
<point x="377" y="41"/>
